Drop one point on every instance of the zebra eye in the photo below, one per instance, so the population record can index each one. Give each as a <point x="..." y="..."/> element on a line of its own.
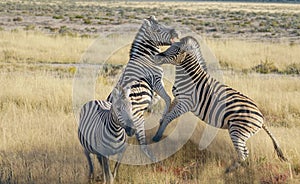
<point x="156" y="29"/>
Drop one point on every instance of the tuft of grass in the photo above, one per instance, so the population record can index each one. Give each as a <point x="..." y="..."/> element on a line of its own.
<point x="18" y="19"/>
<point x="265" y="67"/>
<point x="293" y="68"/>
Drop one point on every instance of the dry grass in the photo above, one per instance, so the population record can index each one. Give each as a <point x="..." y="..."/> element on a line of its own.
<point x="32" y="47"/>
<point x="39" y="139"/>
<point x="241" y="55"/>
<point x="35" y="47"/>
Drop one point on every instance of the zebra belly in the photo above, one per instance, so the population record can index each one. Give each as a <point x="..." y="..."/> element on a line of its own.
<point x="211" y="110"/>
<point x="215" y="121"/>
<point x="111" y="148"/>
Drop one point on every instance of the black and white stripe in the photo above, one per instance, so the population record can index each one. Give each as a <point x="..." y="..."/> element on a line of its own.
<point x="140" y="67"/>
<point x="213" y="102"/>
<point x="102" y="129"/>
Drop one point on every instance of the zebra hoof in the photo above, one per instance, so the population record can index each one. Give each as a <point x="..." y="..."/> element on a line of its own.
<point x="156" y="138"/>
<point x="233" y="167"/>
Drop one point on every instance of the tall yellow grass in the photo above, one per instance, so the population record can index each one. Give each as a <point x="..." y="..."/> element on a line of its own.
<point x="32" y="47"/>
<point x="38" y="131"/>
<point x="241" y="55"/>
<point x="39" y="136"/>
<point x="21" y="46"/>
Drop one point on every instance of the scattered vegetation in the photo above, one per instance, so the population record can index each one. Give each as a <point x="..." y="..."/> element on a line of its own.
<point x="293" y="68"/>
<point x="259" y="21"/>
<point x="265" y="67"/>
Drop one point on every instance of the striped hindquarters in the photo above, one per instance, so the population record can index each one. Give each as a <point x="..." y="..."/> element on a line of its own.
<point x="141" y="97"/>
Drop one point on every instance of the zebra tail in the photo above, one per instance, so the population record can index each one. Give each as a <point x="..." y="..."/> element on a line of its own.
<point x="276" y="145"/>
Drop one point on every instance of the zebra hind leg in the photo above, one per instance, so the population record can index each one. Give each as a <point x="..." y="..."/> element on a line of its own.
<point x="239" y="142"/>
<point x="91" y="168"/>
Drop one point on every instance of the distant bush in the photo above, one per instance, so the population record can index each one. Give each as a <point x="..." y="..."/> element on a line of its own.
<point x="265" y="67"/>
<point x="79" y="16"/>
<point x="17" y="19"/>
<point x="29" y="27"/>
<point x="293" y="68"/>
<point x="111" y="70"/>
<point x="87" y="21"/>
<point x="58" y="17"/>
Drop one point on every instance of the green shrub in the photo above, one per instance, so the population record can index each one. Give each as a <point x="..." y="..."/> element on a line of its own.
<point x="265" y="67"/>
<point x="87" y="21"/>
<point x="29" y="27"/>
<point x="293" y="68"/>
<point x="78" y="16"/>
<point x="17" y="19"/>
<point x="58" y="17"/>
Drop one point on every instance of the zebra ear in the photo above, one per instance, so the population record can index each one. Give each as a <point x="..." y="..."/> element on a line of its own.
<point x="188" y="48"/>
<point x="152" y="17"/>
<point x="116" y="92"/>
<point x="147" y="22"/>
<point x="127" y="91"/>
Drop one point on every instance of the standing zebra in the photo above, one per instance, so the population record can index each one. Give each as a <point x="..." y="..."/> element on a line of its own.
<point x="213" y="102"/>
<point x="141" y="67"/>
<point x="102" y="130"/>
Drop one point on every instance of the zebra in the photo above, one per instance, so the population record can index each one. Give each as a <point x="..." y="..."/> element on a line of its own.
<point x="141" y="67"/>
<point x="102" y="128"/>
<point x="213" y="102"/>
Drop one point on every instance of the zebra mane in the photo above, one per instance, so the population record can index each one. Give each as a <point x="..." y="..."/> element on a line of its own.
<point x="141" y="38"/>
<point x="191" y="46"/>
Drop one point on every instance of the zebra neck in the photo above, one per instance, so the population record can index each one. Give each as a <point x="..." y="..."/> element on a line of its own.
<point x="143" y="46"/>
<point x="191" y="68"/>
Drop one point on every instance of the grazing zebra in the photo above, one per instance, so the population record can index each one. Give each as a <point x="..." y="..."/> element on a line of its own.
<point x="213" y="102"/>
<point x="102" y="129"/>
<point x="141" y="67"/>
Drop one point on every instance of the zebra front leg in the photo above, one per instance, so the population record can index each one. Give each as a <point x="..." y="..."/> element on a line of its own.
<point x="148" y="153"/>
<point x="141" y="137"/>
<point x="91" y="168"/>
<point x="177" y="110"/>
<point x="107" y="175"/>
<point x="117" y="165"/>
<point x="160" y="90"/>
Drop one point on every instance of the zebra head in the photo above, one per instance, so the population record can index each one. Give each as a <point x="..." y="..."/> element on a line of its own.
<point x="178" y="52"/>
<point x="122" y="109"/>
<point x="156" y="33"/>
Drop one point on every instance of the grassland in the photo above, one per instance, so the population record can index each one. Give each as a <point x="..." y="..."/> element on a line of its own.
<point x="40" y="46"/>
<point x="39" y="140"/>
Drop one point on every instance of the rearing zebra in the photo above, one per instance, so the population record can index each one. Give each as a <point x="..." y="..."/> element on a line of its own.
<point x="141" y="67"/>
<point x="102" y="130"/>
<point x="213" y="102"/>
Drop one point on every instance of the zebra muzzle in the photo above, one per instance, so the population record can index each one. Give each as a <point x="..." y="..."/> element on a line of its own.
<point x="130" y="131"/>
